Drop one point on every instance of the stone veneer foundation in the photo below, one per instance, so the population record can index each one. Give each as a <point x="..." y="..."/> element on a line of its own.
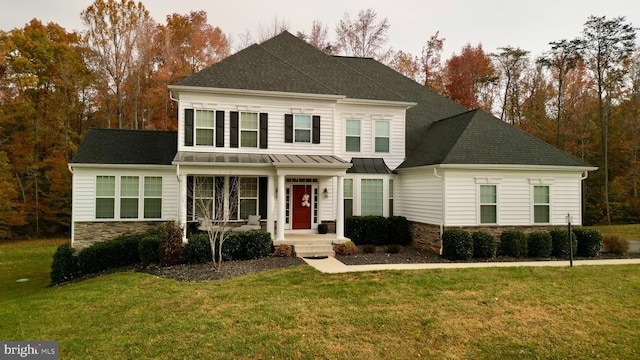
<point x="89" y="233"/>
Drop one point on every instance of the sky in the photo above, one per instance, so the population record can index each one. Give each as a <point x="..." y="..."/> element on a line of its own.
<point x="530" y="25"/>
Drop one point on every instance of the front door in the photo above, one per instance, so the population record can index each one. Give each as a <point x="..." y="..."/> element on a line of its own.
<point x="301" y="207"/>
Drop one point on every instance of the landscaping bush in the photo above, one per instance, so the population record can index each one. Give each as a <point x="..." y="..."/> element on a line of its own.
<point x="540" y="244"/>
<point x="346" y="248"/>
<point x="246" y="245"/>
<point x="589" y="242"/>
<point x="65" y="264"/>
<point x="378" y="230"/>
<point x="368" y="249"/>
<point x="484" y="245"/>
<point x="109" y="254"/>
<point x="393" y="249"/>
<point x="560" y="243"/>
<point x="457" y="244"/>
<point x="197" y="250"/>
<point x="513" y="243"/>
<point x="170" y="243"/>
<point x="283" y="250"/>
<point x="149" y="249"/>
<point x="398" y="231"/>
<point x="614" y="244"/>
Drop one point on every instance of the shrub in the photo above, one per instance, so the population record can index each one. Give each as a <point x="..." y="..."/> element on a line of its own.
<point x="393" y="249"/>
<point x="65" y="264"/>
<point x="368" y="249"/>
<point x="398" y="231"/>
<point x="484" y="245"/>
<point x="615" y="244"/>
<point x="513" y="243"/>
<point x="540" y="244"/>
<point x="457" y="244"/>
<point x="109" y="254"/>
<point x="283" y="250"/>
<point x="589" y="242"/>
<point x="346" y="248"/>
<point x="560" y="243"/>
<point x="149" y="249"/>
<point x="246" y="245"/>
<point x="197" y="250"/>
<point x="170" y="243"/>
<point x="377" y="230"/>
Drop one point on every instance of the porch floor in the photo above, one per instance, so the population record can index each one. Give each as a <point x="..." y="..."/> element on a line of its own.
<point x="310" y="245"/>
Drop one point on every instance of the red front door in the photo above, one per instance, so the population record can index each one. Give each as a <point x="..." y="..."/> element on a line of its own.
<point x="301" y="207"/>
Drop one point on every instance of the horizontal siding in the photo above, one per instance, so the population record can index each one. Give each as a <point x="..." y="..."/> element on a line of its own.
<point x="420" y="194"/>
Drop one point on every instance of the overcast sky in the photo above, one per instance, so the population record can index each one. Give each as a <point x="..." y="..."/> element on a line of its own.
<point x="530" y="25"/>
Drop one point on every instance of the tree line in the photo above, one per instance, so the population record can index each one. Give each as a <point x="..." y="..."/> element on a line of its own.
<point x="582" y="95"/>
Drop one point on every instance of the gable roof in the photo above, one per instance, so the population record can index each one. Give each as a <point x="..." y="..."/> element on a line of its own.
<point x="271" y="66"/>
<point x="123" y="146"/>
<point x="476" y="137"/>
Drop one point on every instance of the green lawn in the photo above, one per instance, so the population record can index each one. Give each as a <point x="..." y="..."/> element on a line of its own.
<point x="629" y="232"/>
<point x="298" y="313"/>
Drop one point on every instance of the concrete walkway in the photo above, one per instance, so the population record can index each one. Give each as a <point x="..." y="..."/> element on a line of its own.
<point x="331" y="265"/>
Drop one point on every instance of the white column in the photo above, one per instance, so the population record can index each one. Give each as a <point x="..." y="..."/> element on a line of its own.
<point x="182" y="205"/>
<point x="340" y="209"/>
<point x="281" y="208"/>
<point x="271" y="213"/>
<point x="225" y="201"/>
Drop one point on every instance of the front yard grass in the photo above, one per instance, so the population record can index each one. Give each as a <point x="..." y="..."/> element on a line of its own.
<point x="629" y="232"/>
<point x="299" y="313"/>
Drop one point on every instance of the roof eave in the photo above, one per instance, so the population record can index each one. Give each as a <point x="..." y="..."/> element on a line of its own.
<point x="264" y="93"/>
<point x="503" y="167"/>
<point x="400" y="104"/>
<point x="120" y="166"/>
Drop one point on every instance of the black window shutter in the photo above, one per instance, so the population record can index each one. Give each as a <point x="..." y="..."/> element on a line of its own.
<point x="264" y="130"/>
<point x="188" y="127"/>
<point x="262" y="197"/>
<point x="234" y="129"/>
<point x="315" y="129"/>
<point x="219" y="128"/>
<point x="288" y="128"/>
<point x="189" y="198"/>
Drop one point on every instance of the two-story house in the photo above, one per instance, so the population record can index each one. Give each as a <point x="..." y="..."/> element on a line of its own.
<point x="300" y="138"/>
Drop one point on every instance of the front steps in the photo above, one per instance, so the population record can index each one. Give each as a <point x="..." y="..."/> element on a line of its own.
<point x="311" y="245"/>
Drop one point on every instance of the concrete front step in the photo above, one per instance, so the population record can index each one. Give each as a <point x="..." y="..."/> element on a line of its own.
<point x="314" y="250"/>
<point x="311" y="245"/>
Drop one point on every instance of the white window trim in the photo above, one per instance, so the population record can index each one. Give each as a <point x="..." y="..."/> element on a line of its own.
<point x="357" y="192"/>
<point x="196" y="127"/>
<point x="240" y="197"/>
<point x="352" y="136"/>
<point x="116" y="206"/>
<point x="533" y="205"/>
<point x="137" y="197"/>
<point x="118" y="196"/>
<point x="310" y="129"/>
<point x="375" y="136"/>
<point x="145" y="197"/>
<point x="479" y="203"/>
<point x="255" y="130"/>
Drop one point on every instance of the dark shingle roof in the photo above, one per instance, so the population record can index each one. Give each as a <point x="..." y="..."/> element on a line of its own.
<point x="287" y="64"/>
<point x="119" y="146"/>
<point x="368" y="166"/>
<point x="476" y="137"/>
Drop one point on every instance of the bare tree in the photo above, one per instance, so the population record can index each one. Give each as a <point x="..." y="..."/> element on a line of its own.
<point x="275" y="27"/>
<point x="512" y="62"/>
<point x="364" y="36"/>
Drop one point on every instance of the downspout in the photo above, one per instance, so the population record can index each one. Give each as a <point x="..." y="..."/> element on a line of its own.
<point x="72" y="217"/>
<point x="585" y="175"/>
<point x="435" y="173"/>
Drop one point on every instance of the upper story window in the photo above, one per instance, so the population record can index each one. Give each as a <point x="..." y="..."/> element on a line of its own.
<point x="302" y="128"/>
<point x="382" y="136"/>
<point x="352" y="130"/>
<point x="541" y="205"/>
<point x="205" y="127"/>
<point x="488" y="204"/>
<point x="249" y="129"/>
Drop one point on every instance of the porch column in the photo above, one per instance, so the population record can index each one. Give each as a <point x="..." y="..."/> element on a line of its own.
<point x="182" y="205"/>
<point x="281" y="208"/>
<point x="340" y="209"/>
<point x="271" y="194"/>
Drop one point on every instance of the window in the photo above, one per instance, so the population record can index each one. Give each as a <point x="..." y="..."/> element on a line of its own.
<point x="302" y="128"/>
<point x="348" y="198"/>
<point x="371" y="197"/>
<point x="129" y="192"/>
<point x="541" y="204"/>
<point x="248" y="197"/>
<point x="152" y="197"/>
<point x="105" y="197"/>
<point x="382" y="136"/>
<point x="390" y="197"/>
<point x="488" y="204"/>
<point x="352" y="129"/>
<point x="205" y="126"/>
<point x="204" y="197"/>
<point x="249" y="129"/>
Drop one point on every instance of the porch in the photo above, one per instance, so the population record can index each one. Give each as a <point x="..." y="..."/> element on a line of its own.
<point x="310" y="245"/>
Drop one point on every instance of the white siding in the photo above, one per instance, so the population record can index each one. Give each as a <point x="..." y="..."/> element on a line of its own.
<point x="418" y="195"/>
<point x="84" y="182"/>
<point x="515" y="195"/>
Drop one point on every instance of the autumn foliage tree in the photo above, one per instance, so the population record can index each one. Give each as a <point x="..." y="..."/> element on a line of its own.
<point x="470" y="78"/>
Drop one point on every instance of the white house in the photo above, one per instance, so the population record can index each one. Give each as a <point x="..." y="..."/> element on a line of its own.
<point x="307" y="138"/>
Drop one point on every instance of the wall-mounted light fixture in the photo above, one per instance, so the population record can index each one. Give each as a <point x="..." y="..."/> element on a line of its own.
<point x="326" y="193"/>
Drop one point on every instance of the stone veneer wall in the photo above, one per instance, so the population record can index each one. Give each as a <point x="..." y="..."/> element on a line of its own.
<point x="88" y="233"/>
<point x="427" y="236"/>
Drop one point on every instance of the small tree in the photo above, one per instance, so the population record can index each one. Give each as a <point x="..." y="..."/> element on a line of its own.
<point x="216" y="203"/>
